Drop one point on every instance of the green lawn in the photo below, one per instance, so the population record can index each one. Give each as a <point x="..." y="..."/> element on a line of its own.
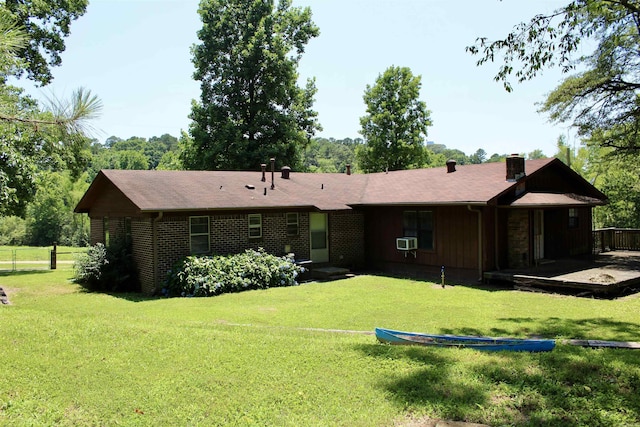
<point x="69" y="357"/>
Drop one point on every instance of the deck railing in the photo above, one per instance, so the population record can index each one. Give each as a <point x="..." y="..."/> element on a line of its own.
<point x="611" y="239"/>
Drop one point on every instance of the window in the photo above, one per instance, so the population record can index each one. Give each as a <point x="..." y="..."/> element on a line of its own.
<point x="292" y="224"/>
<point x="419" y="224"/>
<point x="255" y="226"/>
<point x="573" y="218"/>
<point x="105" y="230"/>
<point x="199" y="234"/>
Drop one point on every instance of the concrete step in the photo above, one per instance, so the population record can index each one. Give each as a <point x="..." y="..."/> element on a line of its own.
<point x="330" y="273"/>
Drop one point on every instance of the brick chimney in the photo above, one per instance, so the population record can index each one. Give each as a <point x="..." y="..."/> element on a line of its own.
<point x="451" y="166"/>
<point x="286" y="170"/>
<point x="515" y="167"/>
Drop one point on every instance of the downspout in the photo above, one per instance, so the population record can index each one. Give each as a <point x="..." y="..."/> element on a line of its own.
<point x="154" y="233"/>
<point x="496" y="237"/>
<point x="479" y="212"/>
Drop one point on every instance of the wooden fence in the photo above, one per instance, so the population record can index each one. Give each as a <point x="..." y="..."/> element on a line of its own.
<point x="612" y="239"/>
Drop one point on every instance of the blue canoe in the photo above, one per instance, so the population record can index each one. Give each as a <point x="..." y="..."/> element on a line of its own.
<point x="389" y="336"/>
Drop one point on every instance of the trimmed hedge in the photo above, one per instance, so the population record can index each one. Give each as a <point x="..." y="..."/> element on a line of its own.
<point x="204" y="276"/>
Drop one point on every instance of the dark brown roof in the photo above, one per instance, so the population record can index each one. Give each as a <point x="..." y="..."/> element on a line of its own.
<point x="155" y="191"/>
<point x="469" y="184"/>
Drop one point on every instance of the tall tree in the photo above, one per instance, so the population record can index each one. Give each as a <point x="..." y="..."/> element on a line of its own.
<point x="395" y="126"/>
<point x="620" y="181"/>
<point x="32" y="138"/>
<point x="46" y="24"/>
<point x="602" y="96"/>
<point x="251" y="107"/>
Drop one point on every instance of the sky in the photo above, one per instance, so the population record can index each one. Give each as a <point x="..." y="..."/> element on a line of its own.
<point x="135" y="56"/>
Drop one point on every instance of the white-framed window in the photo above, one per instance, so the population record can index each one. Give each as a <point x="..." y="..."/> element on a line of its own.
<point x="199" y="234"/>
<point x="255" y="226"/>
<point x="293" y="228"/>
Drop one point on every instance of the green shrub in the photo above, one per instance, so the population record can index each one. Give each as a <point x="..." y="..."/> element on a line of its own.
<point x="88" y="267"/>
<point x="213" y="275"/>
<point x="108" y="269"/>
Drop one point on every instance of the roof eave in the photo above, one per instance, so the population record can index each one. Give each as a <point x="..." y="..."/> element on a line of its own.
<point x="230" y="208"/>
<point x="551" y="205"/>
<point x="422" y="203"/>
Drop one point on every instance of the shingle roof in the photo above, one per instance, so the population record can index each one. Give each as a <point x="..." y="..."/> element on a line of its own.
<point x="154" y="191"/>
<point x="202" y="190"/>
<point x="555" y="199"/>
<point x="474" y="184"/>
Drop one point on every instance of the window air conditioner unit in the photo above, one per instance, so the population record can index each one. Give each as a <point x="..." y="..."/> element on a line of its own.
<point x="406" y="243"/>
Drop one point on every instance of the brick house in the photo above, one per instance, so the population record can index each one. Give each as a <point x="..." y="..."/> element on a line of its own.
<point x="471" y="218"/>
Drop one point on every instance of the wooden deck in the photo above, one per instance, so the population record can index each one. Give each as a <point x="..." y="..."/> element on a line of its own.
<point x="605" y="273"/>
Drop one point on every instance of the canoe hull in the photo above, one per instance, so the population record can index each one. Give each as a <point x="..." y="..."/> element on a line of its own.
<point x="390" y="336"/>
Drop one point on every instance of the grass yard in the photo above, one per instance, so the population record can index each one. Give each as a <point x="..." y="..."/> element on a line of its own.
<point x="75" y="358"/>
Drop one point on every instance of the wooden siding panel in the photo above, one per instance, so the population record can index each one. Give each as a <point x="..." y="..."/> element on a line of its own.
<point x="456" y="237"/>
<point x="556" y="179"/>
<point x="562" y="241"/>
<point x="580" y="238"/>
<point x="113" y="203"/>
<point x="489" y="238"/>
<point x="468" y="236"/>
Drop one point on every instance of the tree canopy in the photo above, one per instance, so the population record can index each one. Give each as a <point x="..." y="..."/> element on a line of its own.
<point x="45" y="23"/>
<point x="157" y="152"/>
<point x="601" y="96"/>
<point x="32" y="138"/>
<point x="251" y="107"/>
<point x="395" y="126"/>
<point x="330" y="155"/>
